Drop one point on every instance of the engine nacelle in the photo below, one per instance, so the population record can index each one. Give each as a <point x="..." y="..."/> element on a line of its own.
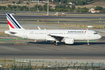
<point x="69" y="41"/>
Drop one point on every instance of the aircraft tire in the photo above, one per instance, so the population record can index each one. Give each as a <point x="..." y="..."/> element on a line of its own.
<point x="55" y="43"/>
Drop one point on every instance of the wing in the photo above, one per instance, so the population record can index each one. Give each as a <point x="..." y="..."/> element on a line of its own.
<point x="57" y="37"/>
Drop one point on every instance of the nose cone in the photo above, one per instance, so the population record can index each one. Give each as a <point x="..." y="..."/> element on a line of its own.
<point x="99" y="36"/>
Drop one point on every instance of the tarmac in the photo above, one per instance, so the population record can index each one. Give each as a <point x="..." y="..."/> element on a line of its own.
<point x="3" y="17"/>
<point x="45" y="50"/>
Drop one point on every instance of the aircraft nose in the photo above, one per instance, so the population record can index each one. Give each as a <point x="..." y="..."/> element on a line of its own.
<point x="99" y="36"/>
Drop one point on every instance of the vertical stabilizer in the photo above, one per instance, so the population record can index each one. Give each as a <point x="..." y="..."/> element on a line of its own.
<point x="12" y="23"/>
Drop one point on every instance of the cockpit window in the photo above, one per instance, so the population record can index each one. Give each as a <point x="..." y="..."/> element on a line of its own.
<point x="95" y="33"/>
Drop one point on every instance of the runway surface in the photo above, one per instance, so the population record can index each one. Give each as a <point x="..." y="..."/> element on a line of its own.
<point x="58" y="17"/>
<point x="53" y="17"/>
<point x="45" y="50"/>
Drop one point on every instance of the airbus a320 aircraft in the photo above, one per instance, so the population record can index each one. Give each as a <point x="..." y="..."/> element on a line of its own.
<point x="67" y="36"/>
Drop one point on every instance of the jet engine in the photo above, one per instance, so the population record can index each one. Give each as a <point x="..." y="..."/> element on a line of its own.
<point x="69" y="41"/>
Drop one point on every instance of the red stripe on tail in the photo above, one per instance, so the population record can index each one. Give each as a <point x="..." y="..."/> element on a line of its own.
<point x="10" y="24"/>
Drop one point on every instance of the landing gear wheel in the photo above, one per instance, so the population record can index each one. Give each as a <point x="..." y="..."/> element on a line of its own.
<point x="55" y="43"/>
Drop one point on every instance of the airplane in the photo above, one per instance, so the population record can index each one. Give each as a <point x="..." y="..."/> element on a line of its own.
<point x="54" y="35"/>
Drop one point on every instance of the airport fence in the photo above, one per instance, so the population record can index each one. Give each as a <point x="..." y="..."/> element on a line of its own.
<point x="42" y="64"/>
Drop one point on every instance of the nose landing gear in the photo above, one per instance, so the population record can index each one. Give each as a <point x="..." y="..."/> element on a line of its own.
<point x="88" y="42"/>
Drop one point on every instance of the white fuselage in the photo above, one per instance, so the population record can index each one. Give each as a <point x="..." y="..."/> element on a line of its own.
<point x="44" y="34"/>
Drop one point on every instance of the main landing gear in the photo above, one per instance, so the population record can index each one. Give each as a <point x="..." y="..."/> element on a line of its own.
<point x="55" y="43"/>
